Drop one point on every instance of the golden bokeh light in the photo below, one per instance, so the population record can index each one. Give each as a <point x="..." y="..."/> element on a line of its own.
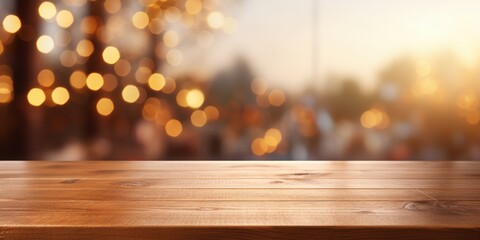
<point x="105" y="106"/>
<point x="156" y="81"/>
<point x="193" y="7"/>
<point x="273" y="137"/>
<point x="276" y="97"/>
<point x="368" y="119"/>
<point x="375" y="118"/>
<point x="6" y="89"/>
<point x="1" y="48"/>
<point x="259" y="147"/>
<point x="60" y="95"/>
<point x="47" y="10"/>
<point x="89" y="25"/>
<point x="64" y="18"/>
<point x="78" y="79"/>
<point x="94" y="81"/>
<point x="195" y="98"/>
<point x="45" y="44"/>
<point x="36" y="97"/>
<point x="171" y="39"/>
<point x="182" y="98"/>
<point x="112" y="6"/>
<point x="212" y="113"/>
<point x="130" y="93"/>
<point x="111" y="55"/>
<point x="85" y="48"/>
<point x="110" y="82"/>
<point x="122" y="68"/>
<point x="11" y="23"/>
<point x="140" y="20"/>
<point x="258" y="86"/>
<point x="68" y="58"/>
<point x="46" y="77"/>
<point x="173" y="14"/>
<point x="215" y="20"/>
<point x="173" y="128"/>
<point x="198" y="118"/>
<point x="170" y="85"/>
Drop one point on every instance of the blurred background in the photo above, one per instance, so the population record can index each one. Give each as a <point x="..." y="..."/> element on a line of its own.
<point x="240" y="79"/>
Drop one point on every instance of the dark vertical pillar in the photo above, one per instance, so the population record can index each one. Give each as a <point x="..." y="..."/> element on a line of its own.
<point x="14" y="145"/>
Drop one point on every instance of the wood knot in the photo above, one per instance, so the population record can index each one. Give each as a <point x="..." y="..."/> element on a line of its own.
<point x="70" y="181"/>
<point x="277" y="181"/>
<point x="131" y="184"/>
<point x="437" y="207"/>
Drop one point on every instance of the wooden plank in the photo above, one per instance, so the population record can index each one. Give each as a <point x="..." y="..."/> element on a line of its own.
<point x="192" y="194"/>
<point x="248" y="165"/>
<point x="240" y="200"/>
<point x="313" y="174"/>
<point x="271" y="217"/>
<point x="237" y="233"/>
<point x="394" y="208"/>
<point x="100" y="183"/>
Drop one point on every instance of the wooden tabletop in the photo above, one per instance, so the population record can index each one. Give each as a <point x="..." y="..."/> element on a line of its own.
<point x="240" y="200"/>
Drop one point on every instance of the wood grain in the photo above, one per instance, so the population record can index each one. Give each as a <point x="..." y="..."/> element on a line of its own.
<point x="240" y="200"/>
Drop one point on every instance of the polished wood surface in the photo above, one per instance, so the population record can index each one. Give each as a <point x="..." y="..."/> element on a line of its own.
<point x="240" y="200"/>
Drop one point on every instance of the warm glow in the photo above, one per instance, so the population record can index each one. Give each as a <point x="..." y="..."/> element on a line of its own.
<point x="111" y="55"/>
<point x="112" y="6"/>
<point x="273" y="137"/>
<point x="195" y="98"/>
<point x="182" y="98"/>
<point x="78" y="79"/>
<point x="258" y="86"/>
<point x="171" y="39"/>
<point x="212" y="112"/>
<point x="375" y="118"/>
<point x="94" y="81"/>
<point x="12" y="24"/>
<point x="122" y="68"/>
<point x="47" y="10"/>
<point x="45" y="44"/>
<point x="60" y="95"/>
<point x="89" y="25"/>
<point x="173" y="128"/>
<point x="46" y="78"/>
<point x="130" y="93"/>
<point x="259" y="147"/>
<point x="193" y="6"/>
<point x="6" y="89"/>
<point x="64" y="19"/>
<point x="85" y="48"/>
<point x="105" y="106"/>
<point x="215" y="20"/>
<point x="140" y="20"/>
<point x="198" y="118"/>
<point x="68" y="58"/>
<point x="156" y="81"/>
<point x="36" y="97"/>
<point x="276" y="97"/>
<point x="368" y="119"/>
